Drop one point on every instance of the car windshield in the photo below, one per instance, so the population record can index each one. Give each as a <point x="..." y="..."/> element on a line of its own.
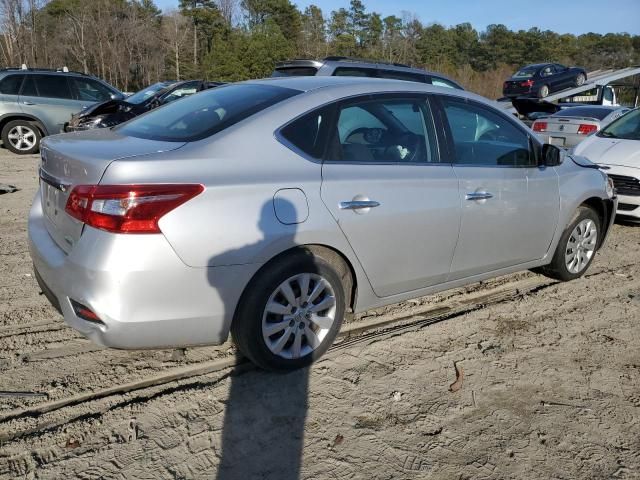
<point x="203" y="114"/>
<point x="590" y="112"/>
<point x="146" y="93"/>
<point x="526" y="72"/>
<point x="626" y="127"/>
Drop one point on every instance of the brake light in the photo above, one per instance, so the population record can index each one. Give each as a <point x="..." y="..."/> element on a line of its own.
<point x="127" y="208"/>
<point x="586" y="129"/>
<point x="540" y="126"/>
<point x="528" y="83"/>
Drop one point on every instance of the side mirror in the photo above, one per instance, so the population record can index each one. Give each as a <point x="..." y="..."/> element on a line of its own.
<point x="552" y="156"/>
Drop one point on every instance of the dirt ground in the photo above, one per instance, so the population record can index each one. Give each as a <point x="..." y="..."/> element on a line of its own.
<point x="548" y="387"/>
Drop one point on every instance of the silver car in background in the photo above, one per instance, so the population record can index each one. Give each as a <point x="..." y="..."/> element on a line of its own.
<point x="570" y="126"/>
<point x="270" y="209"/>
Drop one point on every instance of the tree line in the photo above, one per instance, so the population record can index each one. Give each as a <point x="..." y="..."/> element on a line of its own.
<point x="131" y="43"/>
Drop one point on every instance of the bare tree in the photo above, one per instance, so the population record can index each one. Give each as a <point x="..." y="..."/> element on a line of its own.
<point x="175" y="29"/>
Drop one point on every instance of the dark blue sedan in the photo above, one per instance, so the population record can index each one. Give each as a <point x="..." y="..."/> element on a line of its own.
<point x="541" y="79"/>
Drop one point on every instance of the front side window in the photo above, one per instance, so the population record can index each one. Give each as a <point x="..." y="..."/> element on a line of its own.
<point x="89" y="90"/>
<point x="200" y="116"/>
<point x="10" y="85"/>
<point x="385" y="131"/>
<point x="482" y="137"/>
<point x="53" y="86"/>
<point x="547" y="71"/>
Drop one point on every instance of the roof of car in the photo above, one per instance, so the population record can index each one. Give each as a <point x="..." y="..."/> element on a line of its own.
<point x="358" y="85"/>
<point x="354" y="62"/>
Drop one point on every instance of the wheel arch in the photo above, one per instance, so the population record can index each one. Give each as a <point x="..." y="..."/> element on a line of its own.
<point x="4" y="119"/>
<point x="315" y="249"/>
<point x="604" y="212"/>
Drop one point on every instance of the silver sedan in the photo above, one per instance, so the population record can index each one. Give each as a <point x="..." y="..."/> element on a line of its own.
<point x="270" y="209"/>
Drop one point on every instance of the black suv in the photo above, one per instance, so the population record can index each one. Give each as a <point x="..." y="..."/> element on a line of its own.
<point x="38" y="102"/>
<point x="356" y="67"/>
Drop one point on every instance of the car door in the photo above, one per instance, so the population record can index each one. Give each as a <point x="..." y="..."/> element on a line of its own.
<point x="395" y="201"/>
<point x="510" y="206"/>
<point x="9" y="92"/>
<point x="48" y="97"/>
<point x="549" y="77"/>
<point x="565" y="77"/>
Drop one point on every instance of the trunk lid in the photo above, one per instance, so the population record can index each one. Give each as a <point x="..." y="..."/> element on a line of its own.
<point x="81" y="159"/>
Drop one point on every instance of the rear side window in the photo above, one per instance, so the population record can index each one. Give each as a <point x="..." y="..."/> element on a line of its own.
<point x="483" y="138"/>
<point x="53" y="86"/>
<point x="354" y="72"/>
<point x="86" y="89"/>
<point x="10" y="85"/>
<point x="206" y="113"/>
<point x="295" y="72"/>
<point x="407" y="76"/>
<point x="305" y="133"/>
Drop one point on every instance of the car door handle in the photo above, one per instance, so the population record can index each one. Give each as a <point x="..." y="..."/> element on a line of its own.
<point x="478" y="196"/>
<point x="358" y="204"/>
<point x="27" y="103"/>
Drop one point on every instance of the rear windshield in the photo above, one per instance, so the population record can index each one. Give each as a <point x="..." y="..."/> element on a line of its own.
<point x="627" y="127"/>
<point x="526" y="72"/>
<point x="589" y="112"/>
<point x="295" y="72"/>
<point x="203" y="114"/>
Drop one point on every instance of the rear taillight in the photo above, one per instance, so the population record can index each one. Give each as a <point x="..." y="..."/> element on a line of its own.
<point x="528" y="83"/>
<point x="586" y="129"/>
<point x="540" y="126"/>
<point x="127" y="208"/>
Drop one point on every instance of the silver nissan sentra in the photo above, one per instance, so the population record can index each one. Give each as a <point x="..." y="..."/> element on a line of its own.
<point x="271" y="208"/>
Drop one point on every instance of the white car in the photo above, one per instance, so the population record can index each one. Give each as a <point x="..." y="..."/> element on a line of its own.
<point x="617" y="149"/>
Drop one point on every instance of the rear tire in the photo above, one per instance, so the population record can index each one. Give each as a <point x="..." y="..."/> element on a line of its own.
<point x="544" y="91"/>
<point x="577" y="247"/>
<point x="580" y="79"/>
<point x="21" y="137"/>
<point x="292" y="310"/>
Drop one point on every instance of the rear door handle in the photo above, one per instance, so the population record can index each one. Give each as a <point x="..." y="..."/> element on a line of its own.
<point x="478" y="196"/>
<point x="358" y="204"/>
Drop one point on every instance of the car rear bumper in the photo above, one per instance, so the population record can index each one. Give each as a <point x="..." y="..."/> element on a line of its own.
<point x="143" y="294"/>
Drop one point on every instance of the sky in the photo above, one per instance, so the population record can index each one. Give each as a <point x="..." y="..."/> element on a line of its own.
<point x="562" y="16"/>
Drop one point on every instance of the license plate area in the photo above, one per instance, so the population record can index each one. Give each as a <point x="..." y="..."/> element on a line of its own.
<point x="558" y="141"/>
<point x="51" y="202"/>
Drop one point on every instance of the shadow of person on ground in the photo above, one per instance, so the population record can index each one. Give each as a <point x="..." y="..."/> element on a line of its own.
<point x="265" y="413"/>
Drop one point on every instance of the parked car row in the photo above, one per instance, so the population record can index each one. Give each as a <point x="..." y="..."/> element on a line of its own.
<point x="39" y="102"/>
<point x="271" y="208"/>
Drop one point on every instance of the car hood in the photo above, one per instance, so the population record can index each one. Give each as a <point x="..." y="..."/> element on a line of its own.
<point x="102" y="108"/>
<point x="610" y="151"/>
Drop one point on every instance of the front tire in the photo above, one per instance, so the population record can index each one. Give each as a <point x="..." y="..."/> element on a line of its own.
<point x="21" y="137"/>
<point x="577" y="247"/>
<point x="291" y="311"/>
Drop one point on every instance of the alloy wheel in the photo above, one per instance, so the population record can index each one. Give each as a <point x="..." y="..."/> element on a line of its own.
<point x="581" y="246"/>
<point x="22" y="137"/>
<point x="298" y="315"/>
